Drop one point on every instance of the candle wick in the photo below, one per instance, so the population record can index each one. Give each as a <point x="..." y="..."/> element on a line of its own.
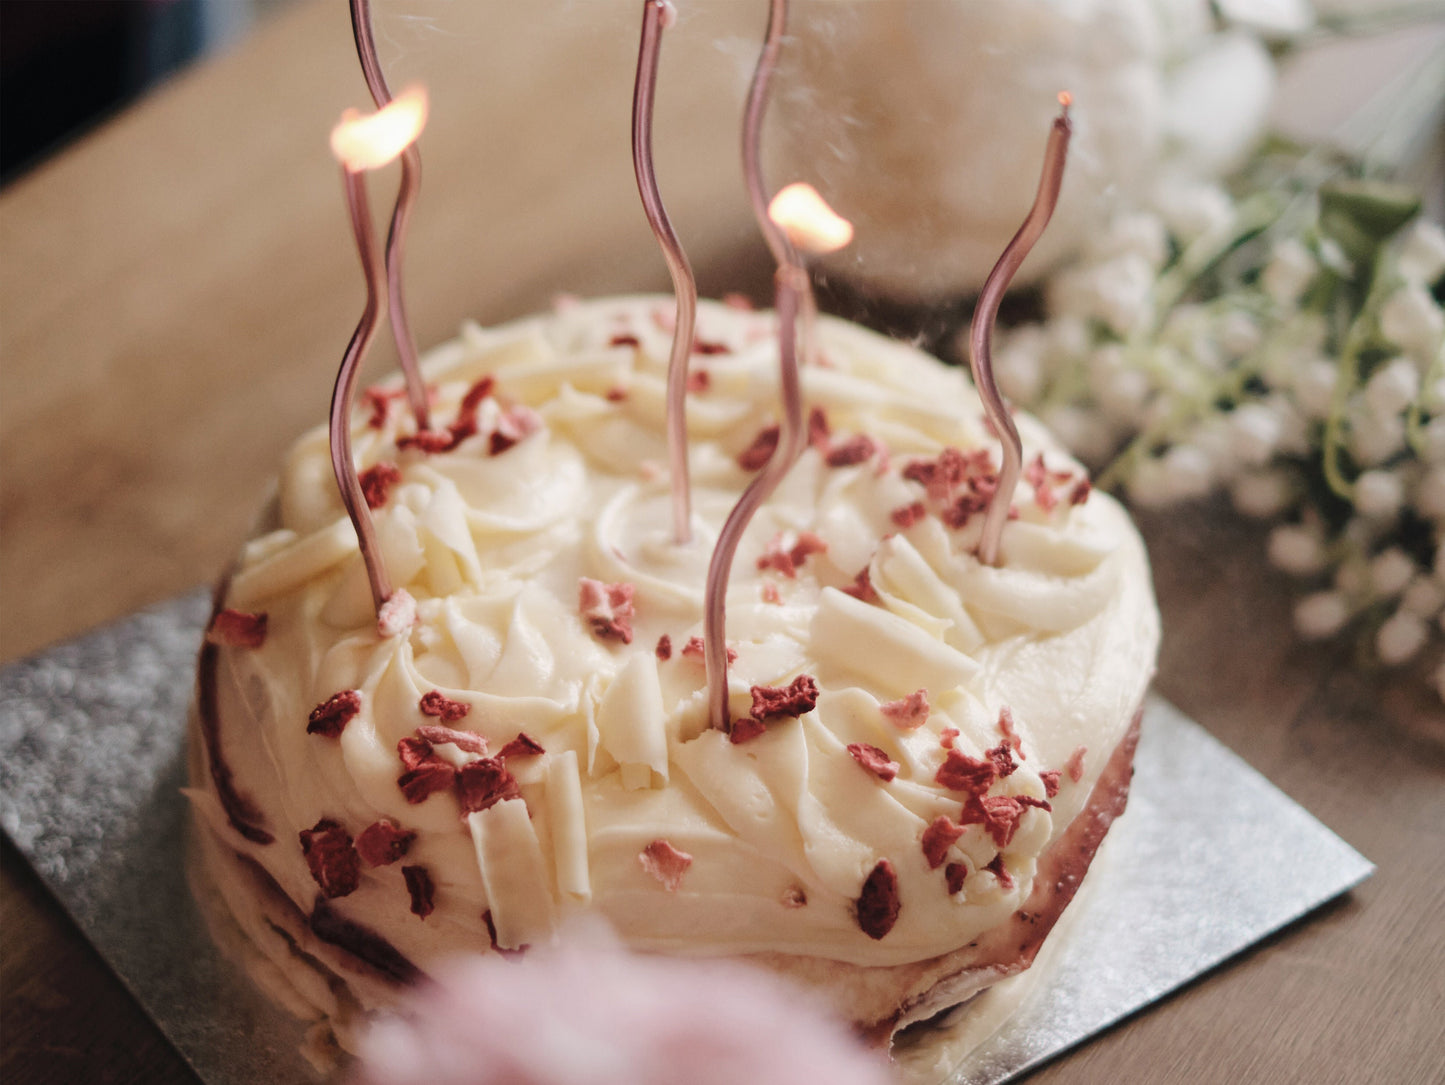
<point x="980" y="334"/>
<point x="400" y="218"/>
<point x="656" y="15"/>
<point x="342" y="461"/>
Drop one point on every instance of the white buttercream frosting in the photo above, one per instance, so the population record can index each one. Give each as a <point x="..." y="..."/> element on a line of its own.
<point x="782" y="830"/>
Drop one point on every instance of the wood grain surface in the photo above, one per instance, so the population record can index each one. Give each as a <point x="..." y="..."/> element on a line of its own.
<point x="175" y="293"/>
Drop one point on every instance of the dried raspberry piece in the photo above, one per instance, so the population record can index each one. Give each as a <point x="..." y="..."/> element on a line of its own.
<point x="818" y="429"/>
<point x="1075" y="765"/>
<point x="331" y="716"/>
<point x="237" y="629"/>
<point x="877" y="906"/>
<point x="379" y="399"/>
<point x="699" y="381"/>
<point x="665" y="863"/>
<point x="1010" y="736"/>
<point x="942" y="476"/>
<point x="414" y="752"/>
<point x="855" y="450"/>
<point x="330" y="857"/>
<point x="999" y="871"/>
<point x="466" y="421"/>
<point x="429" y="441"/>
<point x="938" y="838"/>
<point x="874" y="760"/>
<point x="377" y="481"/>
<point x="384" y="842"/>
<point x="607" y="608"/>
<point x="424" y="781"/>
<point x="704" y="346"/>
<point x="1050" y="777"/>
<point x="624" y="341"/>
<point x="482" y="784"/>
<point x="757" y="454"/>
<point x="1029" y="800"/>
<point x="998" y="814"/>
<point x="397" y="614"/>
<point x="959" y="772"/>
<point x="466" y="741"/>
<point x="436" y="703"/>
<point x="419" y="886"/>
<point x="799" y="696"/>
<point x="514" y="424"/>
<point x="807" y="545"/>
<point x="664" y="648"/>
<point x="524" y="745"/>
<point x="1081" y="491"/>
<point x="492" y="934"/>
<point x="795" y="897"/>
<point x="862" y="587"/>
<point x="777" y="559"/>
<point x="771" y="594"/>
<point x="695" y="649"/>
<point x="947" y="737"/>
<point x="616" y="394"/>
<point x="953" y="875"/>
<point x="745" y="728"/>
<point x="1002" y="758"/>
<point x="907" y="713"/>
<point x="905" y="516"/>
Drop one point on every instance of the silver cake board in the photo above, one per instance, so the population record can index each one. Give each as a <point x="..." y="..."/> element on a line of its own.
<point x="1209" y="859"/>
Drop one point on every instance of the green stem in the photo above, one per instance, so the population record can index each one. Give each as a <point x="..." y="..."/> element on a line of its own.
<point x="1415" y="418"/>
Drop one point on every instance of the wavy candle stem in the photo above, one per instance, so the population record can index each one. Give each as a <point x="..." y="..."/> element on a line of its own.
<point x="342" y="462"/>
<point x="656" y="16"/>
<point x="980" y="335"/>
<point x="753" y="116"/>
<point x="400" y="218"/>
<point x="792" y="281"/>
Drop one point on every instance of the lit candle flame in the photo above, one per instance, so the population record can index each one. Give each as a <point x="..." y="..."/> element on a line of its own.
<point x="362" y="142"/>
<point x="808" y="221"/>
<point x="1065" y="99"/>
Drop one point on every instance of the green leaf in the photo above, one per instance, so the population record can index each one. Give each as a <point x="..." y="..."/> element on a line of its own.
<point x="1360" y="214"/>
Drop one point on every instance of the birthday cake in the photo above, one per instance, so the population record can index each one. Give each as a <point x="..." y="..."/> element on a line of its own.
<point x="924" y="750"/>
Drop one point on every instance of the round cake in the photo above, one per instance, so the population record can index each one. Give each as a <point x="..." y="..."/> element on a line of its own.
<point x="925" y="750"/>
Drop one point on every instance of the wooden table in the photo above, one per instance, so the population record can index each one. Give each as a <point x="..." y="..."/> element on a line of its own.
<point x="175" y="293"/>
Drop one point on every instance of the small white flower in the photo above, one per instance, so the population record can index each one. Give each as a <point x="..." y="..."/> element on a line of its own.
<point x="1392" y="387"/>
<point x="1123" y="294"/>
<point x="1422" y="255"/>
<point x="1400" y="638"/>
<point x="1139" y="232"/>
<point x="1067" y="338"/>
<point x="1124" y="395"/>
<point x="1379" y="494"/>
<point x="1019" y="371"/>
<point x="1412" y="321"/>
<point x="1314" y="386"/>
<point x="1191" y="330"/>
<point x="1085" y="434"/>
<point x="1321" y="614"/>
<point x="1191" y="209"/>
<point x="1290" y="271"/>
<point x="1430" y="493"/>
<point x="1215" y="438"/>
<point x="1148" y="485"/>
<point x="1374" y="438"/>
<point x="1350" y="577"/>
<point x="1424" y="597"/>
<point x="1262" y="494"/>
<point x="1390" y="571"/>
<point x="1255" y="430"/>
<point x="1239" y="333"/>
<point x="1294" y="430"/>
<point x="1296" y="549"/>
<point x="1189" y="472"/>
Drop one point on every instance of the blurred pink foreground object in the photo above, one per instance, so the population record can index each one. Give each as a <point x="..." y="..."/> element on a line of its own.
<point x="589" y="1012"/>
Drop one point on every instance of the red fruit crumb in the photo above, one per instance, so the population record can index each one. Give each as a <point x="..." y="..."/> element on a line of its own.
<point x="616" y="394"/>
<point x="1029" y="800"/>
<point x="624" y="341"/>
<point x="331" y="716"/>
<point x="1081" y="491"/>
<point x="607" y="608"/>
<point x="492" y="935"/>
<point x="874" y="760"/>
<point x="959" y="772"/>
<point x="807" y="545"/>
<point x="694" y="649"/>
<point x="482" y="784"/>
<point x="436" y="703"/>
<point x="800" y="696"/>
<point x="424" y="781"/>
<point x="905" y="516"/>
<point x="818" y="429"/>
<point x="665" y="863"/>
<point x="940" y="476"/>
<point x="699" y="381"/>
<point x="237" y="629"/>
<point x="419" y="885"/>
<point x="855" y="450"/>
<point x="1075" y="765"/>
<point x="998" y="814"/>
<point x="999" y="871"/>
<point x="771" y="593"/>
<point x="877" y="906"/>
<point x="664" y="648"/>
<point x="777" y="559"/>
<point x="428" y="441"/>
<point x="1010" y="736"/>
<point x="1002" y="758"/>
<point x="379" y="399"/>
<point x="466" y="741"/>
<point x="744" y="729"/>
<point x="906" y="713"/>
<point x="757" y="454"/>
<point x="954" y="874"/>
<point x="947" y="736"/>
<point x="384" y="842"/>
<point x="938" y="838"/>
<point x="377" y="481"/>
<point x="514" y="424"/>
<point x="703" y="346"/>
<point x="524" y="745"/>
<point x="414" y="752"/>
<point x="862" y="587"/>
<point x="795" y="897"/>
<point x="330" y="857"/>
<point x="1050" y="777"/>
<point x="740" y="302"/>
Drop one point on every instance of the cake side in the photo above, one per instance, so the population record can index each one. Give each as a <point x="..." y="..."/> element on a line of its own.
<point x="964" y="715"/>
